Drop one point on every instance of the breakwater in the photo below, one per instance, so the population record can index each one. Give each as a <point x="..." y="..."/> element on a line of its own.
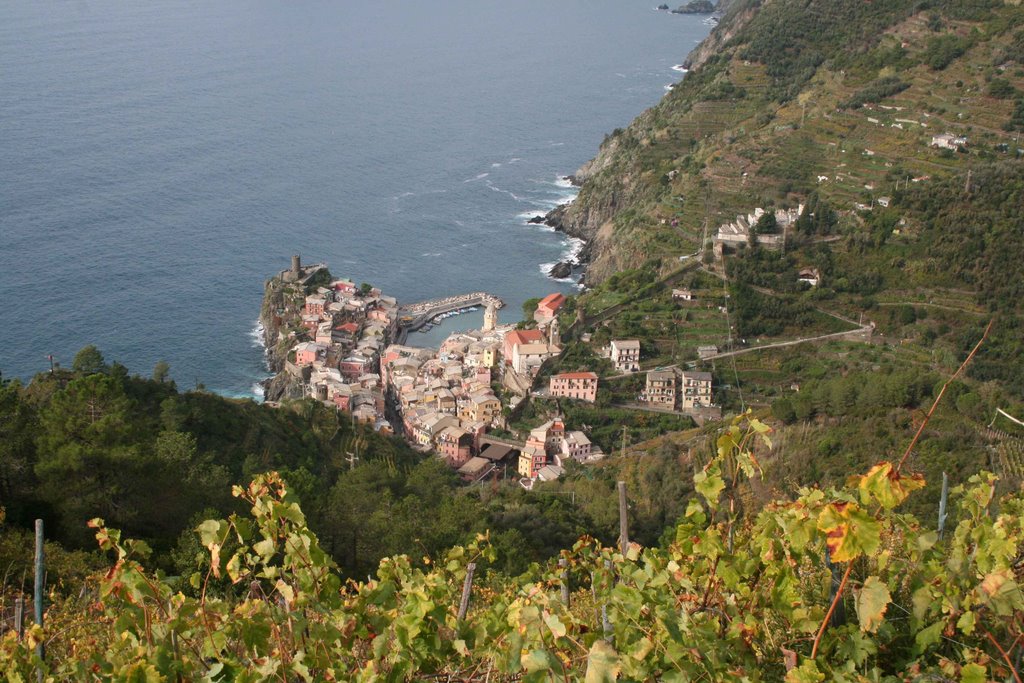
<point x="412" y="317"/>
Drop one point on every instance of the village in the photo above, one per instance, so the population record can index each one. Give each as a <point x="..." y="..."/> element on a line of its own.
<point x="455" y="401"/>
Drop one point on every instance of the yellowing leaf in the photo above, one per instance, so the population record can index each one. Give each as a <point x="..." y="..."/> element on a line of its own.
<point x="1001" y="593"/>
<point x="602" y="663"/>
<point x="872" y="602"/>
<point x="807" y="672"/>
<point x="709" y="483"/>
<point x="973" y="673"/>
<point x="286" y="591"/>
<point x="538" y="660"/>
<point x="966" y="623"/>
<point x="887" y="486"/>
<point x="851" y="531"/>
<point x="556" y="626"/>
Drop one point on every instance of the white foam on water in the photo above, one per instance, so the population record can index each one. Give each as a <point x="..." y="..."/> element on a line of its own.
<point x="481" y="176"/>
<point x="495" y="165"/>
<point x="431" y="254"/>
<point x="513" y="195"/>
<point x="573" y="247"/>
<point x="527" y="215"/>
<point x="571" y="253"/>
<point x="258" y="392"/>
<point x="563" y="181"/>
<point x="680" y="68"/>
<point x="257" y="334"/>
<point x="670" y="86"/>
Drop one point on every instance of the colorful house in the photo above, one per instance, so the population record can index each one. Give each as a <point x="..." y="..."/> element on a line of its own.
<point x="515" y="338"/>
<point x="548" y="307"/>
<point x="308" y="353"/>
<point x="579" y="385"/>
<point x="625" y="355"/>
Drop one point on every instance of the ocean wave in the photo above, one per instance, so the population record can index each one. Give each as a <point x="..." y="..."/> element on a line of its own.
<point x="680" y="68"/>
<point x="431" y="254"/>
<point x="545" y="269"/>
<point x="258" y="335"/>
<point x="573" y="248"/>
<point x="495" y="165"/>
<point x="480" y="176"/>
<point x="563" y="181"/>
<point x="670" y="86"/>
<point x="511" y="194"/>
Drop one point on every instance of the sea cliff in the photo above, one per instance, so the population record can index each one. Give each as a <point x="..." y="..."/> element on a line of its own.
<point x="619" y="179"/>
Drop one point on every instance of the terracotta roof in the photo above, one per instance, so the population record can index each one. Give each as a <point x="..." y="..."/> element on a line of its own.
<point x="576" y="375"/>
<point x="552" y="300"/>
<point x="525" y="337"/>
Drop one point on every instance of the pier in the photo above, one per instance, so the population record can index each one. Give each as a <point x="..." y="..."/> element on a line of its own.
<point x="412" y="317"/>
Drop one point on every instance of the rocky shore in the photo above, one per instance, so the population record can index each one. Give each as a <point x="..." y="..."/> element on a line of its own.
<point x="272" y="322"/>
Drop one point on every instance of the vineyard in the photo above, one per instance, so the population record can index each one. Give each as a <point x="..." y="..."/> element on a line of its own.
<point x="835" y="585"/>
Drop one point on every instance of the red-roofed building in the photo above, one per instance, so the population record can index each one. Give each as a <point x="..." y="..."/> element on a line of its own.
<point x="548" y="307"/>
<point x="579" y="385"/>
<point x="520" y="337"/>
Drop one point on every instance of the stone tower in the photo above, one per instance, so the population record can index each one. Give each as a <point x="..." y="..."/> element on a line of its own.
<point x="554" y="338"/>
<point x="490" y="317"/>
<point x="295" y="273"/>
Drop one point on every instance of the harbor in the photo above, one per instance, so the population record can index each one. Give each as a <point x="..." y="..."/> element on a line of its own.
<point x="424" y="315"/>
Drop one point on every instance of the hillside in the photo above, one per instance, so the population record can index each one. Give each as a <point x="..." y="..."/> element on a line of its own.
<point x="889" y="135"/>
<point x="787" y="98"/>
<point x="801" y="541"/>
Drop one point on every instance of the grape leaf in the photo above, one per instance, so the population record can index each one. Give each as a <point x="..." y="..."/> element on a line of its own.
<point x="872" y="602"/>
<point x="602" y="663"/>
<point x="851" y="531"/>
<point x="887" y="486"/>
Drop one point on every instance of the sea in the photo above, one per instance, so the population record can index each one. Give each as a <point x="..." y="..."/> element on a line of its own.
<point x="160" y="160"/>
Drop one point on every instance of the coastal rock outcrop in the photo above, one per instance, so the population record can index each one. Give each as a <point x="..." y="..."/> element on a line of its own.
<point x="696" y="7"/>
<point x="736" y="15"/>
<point x="560" y="270"/>
<point x="615" y="179"/>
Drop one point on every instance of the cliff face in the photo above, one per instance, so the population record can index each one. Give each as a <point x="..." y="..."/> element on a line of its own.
<point x="280" y="316"/>
<point x="789" y="98"/>
<point x="617" y="179"/>
<point x="735" y="15"/>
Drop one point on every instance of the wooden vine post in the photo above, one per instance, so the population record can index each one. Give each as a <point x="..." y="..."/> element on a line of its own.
<point x="623" y="519"/>
<point x="467" y="588"/>
<point x="563" y="577"/>
<point x="37" y="592"/>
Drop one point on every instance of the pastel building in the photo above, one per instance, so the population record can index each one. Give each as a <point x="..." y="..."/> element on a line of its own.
<point x="625" y="355"/>
<point x="518" y="338"/>
<point x="661" y="388"/>
<point x="695" y="389"/>
<point x="548" y="307"/>
<point x="578" y="385"/>
<point x="308" y="353"/>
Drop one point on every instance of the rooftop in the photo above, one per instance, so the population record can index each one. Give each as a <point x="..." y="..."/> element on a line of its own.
<point x="552" y="300"/>
<point x="576" y="375"/>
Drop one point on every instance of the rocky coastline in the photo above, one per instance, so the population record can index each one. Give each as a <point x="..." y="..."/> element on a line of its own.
<point x="556" y="219"/>
<point x="279" y="308"/>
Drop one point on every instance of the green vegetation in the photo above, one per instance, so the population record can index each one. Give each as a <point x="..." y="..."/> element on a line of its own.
<point x="877" y="91"/>
<point x="839" y="584"/>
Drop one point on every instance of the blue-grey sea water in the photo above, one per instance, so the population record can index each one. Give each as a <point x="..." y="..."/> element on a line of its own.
<point x="160" y="159"/>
